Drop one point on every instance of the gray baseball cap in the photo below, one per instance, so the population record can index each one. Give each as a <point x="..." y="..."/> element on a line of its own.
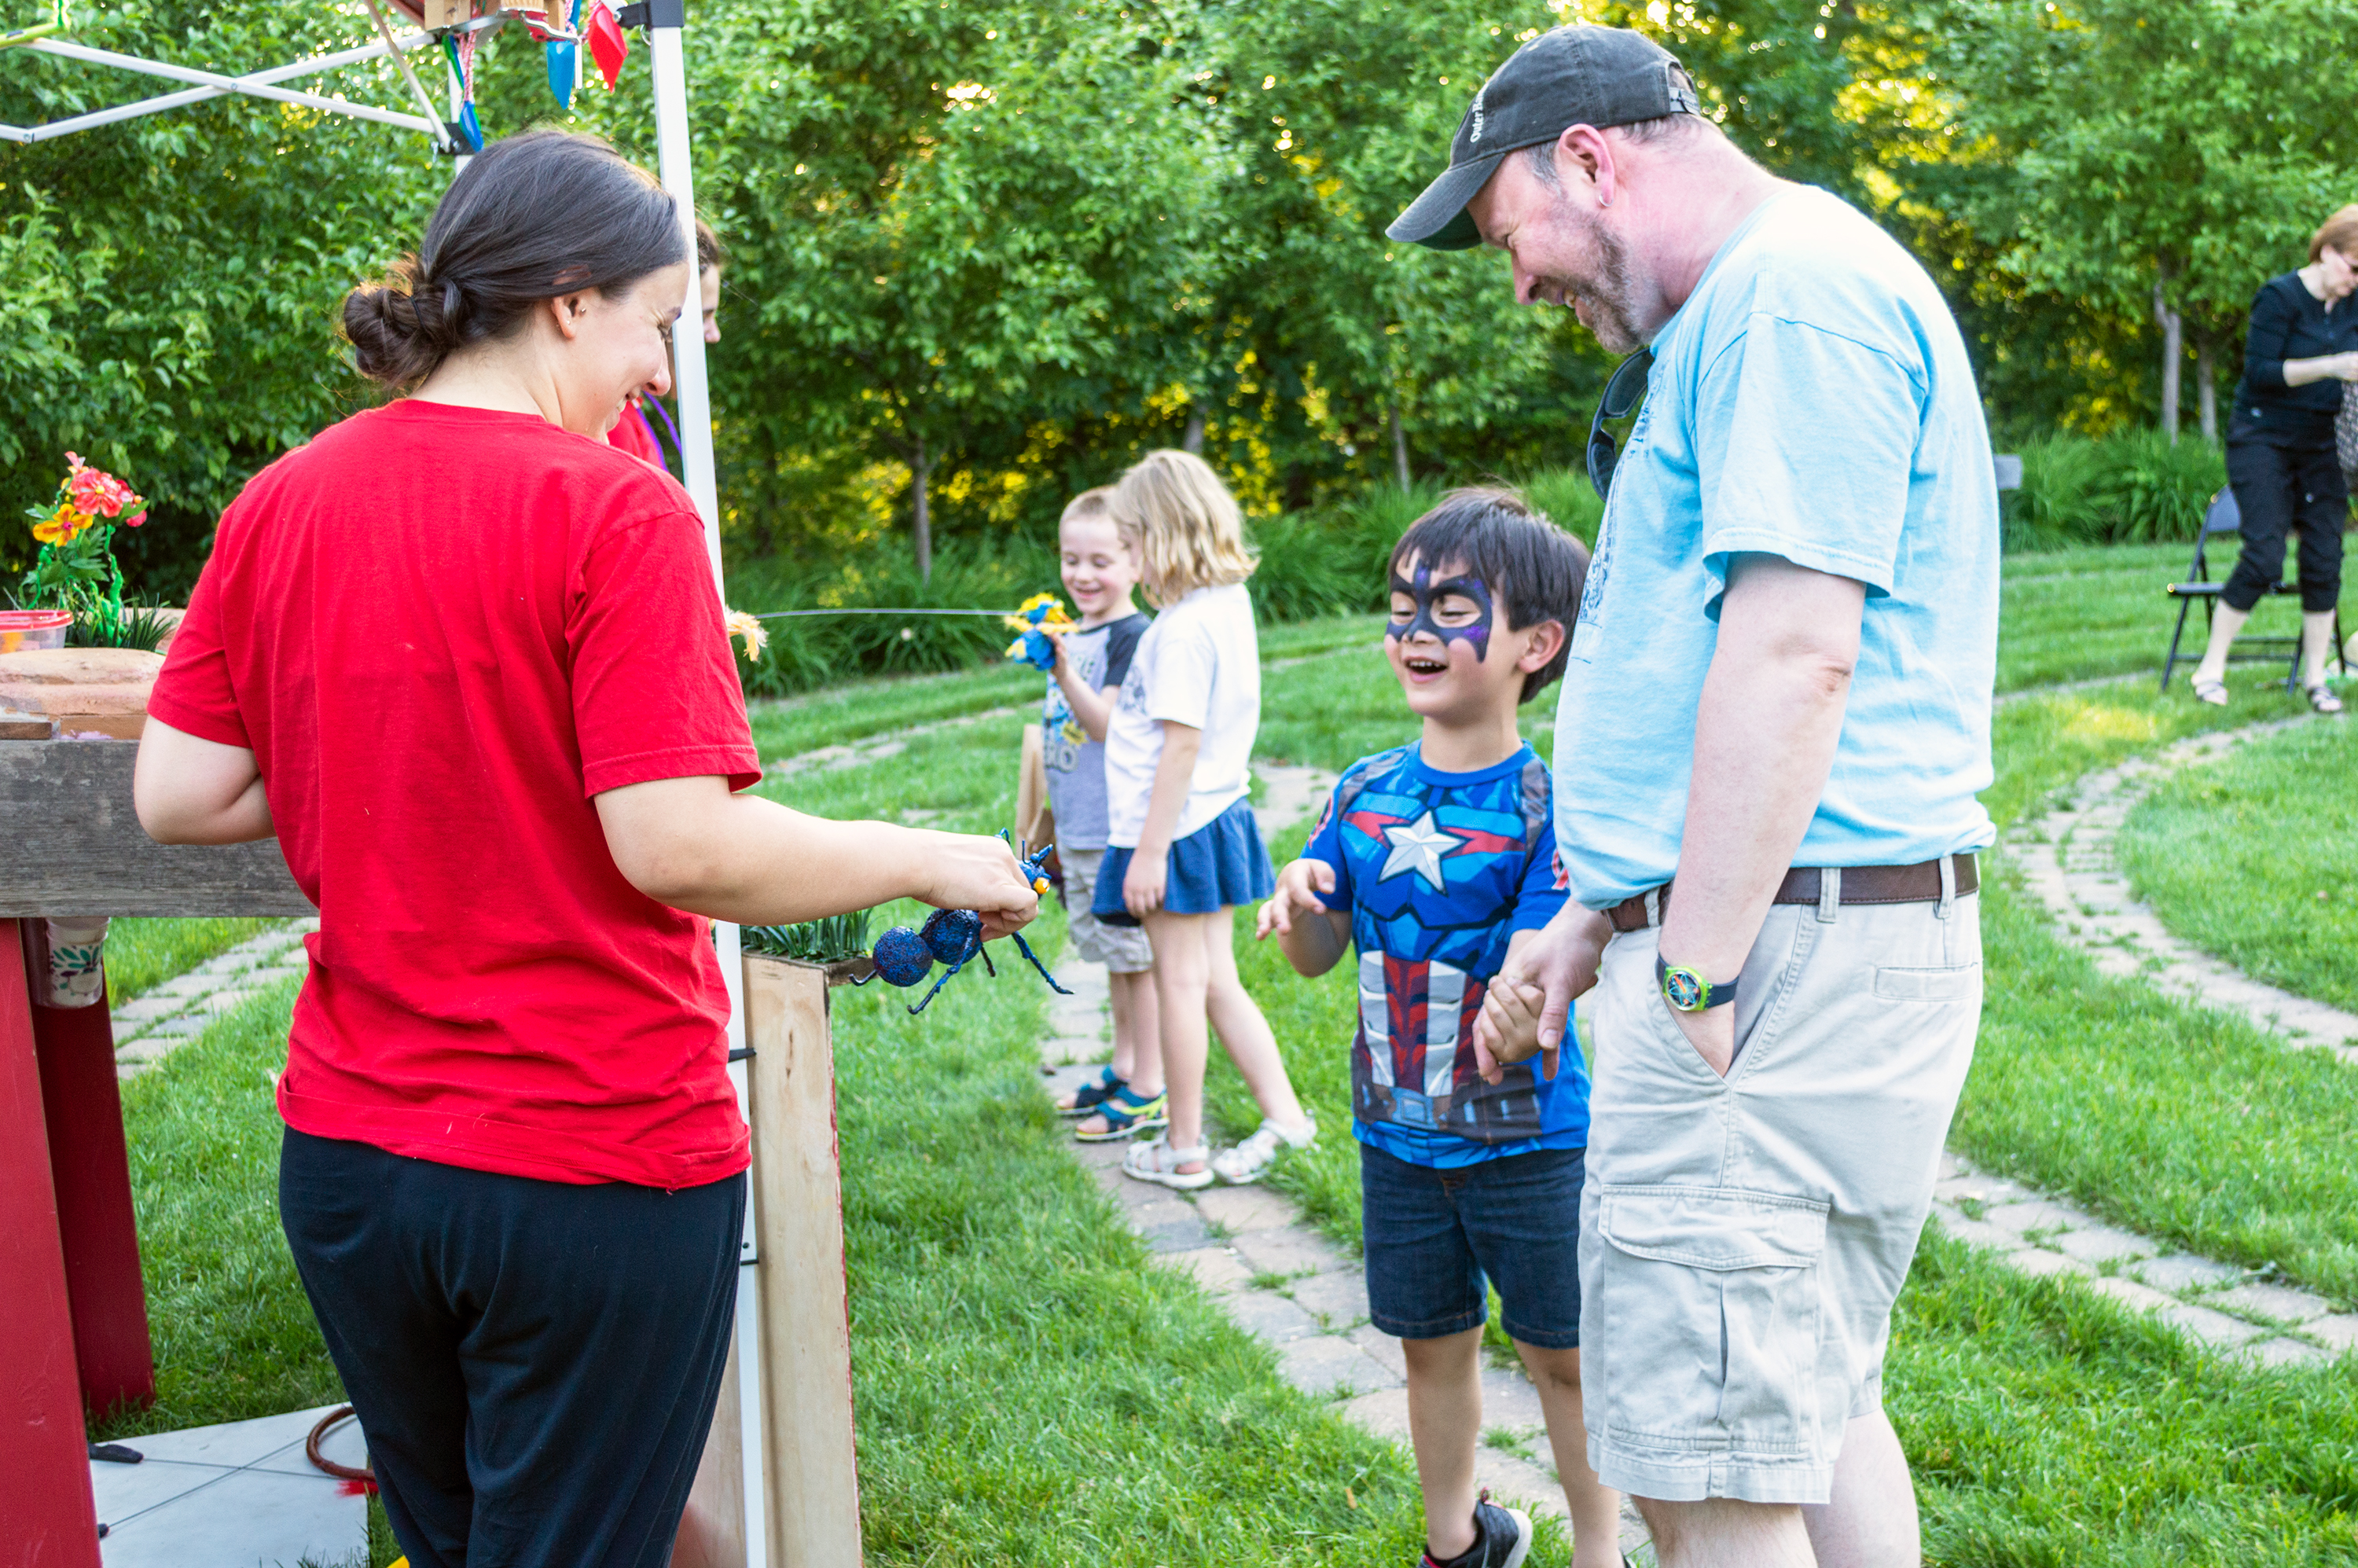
<point x="1577" y="75"/>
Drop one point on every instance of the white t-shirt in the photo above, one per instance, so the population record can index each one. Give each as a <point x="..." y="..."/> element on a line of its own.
<point x="1198" y="664"/>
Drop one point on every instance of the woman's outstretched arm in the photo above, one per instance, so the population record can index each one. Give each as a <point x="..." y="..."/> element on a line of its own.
<point x="692" y="844"/>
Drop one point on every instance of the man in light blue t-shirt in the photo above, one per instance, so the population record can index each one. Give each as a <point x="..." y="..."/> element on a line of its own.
<point x="1772" y="731"/>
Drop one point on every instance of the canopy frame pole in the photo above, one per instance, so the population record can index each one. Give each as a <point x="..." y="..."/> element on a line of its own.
<point x="667" y="24"/>
<point x="255" y="84"/>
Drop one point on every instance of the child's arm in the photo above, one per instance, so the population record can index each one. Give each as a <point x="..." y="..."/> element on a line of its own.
<point x="1093" y="708"/>
<point x="1311" y="945"/>
<point x="1150" y="869"/>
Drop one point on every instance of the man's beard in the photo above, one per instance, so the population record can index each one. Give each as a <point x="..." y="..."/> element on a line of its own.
<point x="1611" y="293"/>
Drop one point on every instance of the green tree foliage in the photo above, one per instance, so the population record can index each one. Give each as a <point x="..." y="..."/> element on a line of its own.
<point x="168" y="284"/>
<point x="2158" y="161"/>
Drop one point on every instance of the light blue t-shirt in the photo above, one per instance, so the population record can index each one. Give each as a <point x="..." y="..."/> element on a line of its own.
<point x="1812" y="400"/>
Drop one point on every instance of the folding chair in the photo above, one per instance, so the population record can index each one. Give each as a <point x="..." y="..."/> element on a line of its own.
<point x="2224" y="517"/>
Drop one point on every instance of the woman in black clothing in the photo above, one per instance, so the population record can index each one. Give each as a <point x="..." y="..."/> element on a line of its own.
<point x="2302" y="346"/>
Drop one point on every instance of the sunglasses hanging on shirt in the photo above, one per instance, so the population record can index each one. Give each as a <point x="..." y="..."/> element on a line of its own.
<point x="1623" y="392"/>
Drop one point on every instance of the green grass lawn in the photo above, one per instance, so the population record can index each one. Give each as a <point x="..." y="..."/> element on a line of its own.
<point x="2255" y="858"/>
<point x="141" y="954"/>
<point x="2074" y="614"/>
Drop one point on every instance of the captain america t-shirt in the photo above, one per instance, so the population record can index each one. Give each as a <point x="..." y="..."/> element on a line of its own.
<point x="1438" y="871"/>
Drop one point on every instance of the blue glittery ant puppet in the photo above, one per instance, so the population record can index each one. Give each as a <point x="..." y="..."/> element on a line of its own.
<point x="1040" y="615"/>
<point x="905" y="955"/>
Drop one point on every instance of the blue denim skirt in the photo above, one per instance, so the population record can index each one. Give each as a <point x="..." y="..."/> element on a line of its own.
<point x="1221" y="863"/>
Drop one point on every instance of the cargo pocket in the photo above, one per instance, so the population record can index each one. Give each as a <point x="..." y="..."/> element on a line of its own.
<point x="1710" y="1295"/>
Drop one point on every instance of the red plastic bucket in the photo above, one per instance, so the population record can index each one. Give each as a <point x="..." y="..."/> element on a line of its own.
<point x="22" y="630"/>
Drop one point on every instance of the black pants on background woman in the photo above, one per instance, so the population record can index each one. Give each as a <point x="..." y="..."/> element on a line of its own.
<point x="2301" y="349"/>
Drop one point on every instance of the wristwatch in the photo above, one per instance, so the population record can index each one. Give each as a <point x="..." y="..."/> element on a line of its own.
<point x="1687" y="991"/>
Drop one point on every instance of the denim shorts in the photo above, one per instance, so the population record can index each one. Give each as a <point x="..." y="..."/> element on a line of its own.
<point x="1432" y="1235"/>
<point x="1221" y="864"/>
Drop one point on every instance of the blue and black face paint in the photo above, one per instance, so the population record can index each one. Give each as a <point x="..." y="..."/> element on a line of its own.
<point x="1425" y="594"/>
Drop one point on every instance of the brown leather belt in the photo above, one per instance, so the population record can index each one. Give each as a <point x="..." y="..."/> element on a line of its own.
<point x="1804" y="884"/>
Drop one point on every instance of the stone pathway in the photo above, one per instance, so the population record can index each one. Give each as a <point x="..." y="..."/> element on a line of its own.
<point x="148" y="1027"/>
<point x="1253" y="1252"/>
<point x="2069" y="857"/>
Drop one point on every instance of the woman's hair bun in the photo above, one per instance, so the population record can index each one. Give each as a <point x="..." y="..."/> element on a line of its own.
<point x="539" y="215"/>
<point x="401" y="328"/>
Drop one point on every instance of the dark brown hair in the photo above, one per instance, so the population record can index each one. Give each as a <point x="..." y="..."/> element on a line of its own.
<point x="533" y="217"/>
<point x="1535" y="570"/>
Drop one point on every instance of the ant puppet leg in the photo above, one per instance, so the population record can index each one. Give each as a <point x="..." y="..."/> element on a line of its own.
<point x="938" y="984"/>
<point x="1026" y="948"/>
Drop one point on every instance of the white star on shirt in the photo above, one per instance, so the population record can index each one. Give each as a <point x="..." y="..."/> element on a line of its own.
<point x="1418" y="847"/>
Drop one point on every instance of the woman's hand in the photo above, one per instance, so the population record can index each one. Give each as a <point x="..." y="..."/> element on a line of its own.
<point x="981" y="874"/>
<point x="1142" y="884"/>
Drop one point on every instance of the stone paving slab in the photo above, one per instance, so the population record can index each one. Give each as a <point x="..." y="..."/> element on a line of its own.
<point x="2282" y="1303"/>
<point x="148" y="1025"/>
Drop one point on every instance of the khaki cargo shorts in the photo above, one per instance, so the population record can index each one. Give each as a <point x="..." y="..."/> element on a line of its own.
<point x="1123" y="950"/>
<point x="1742" y="1240"/>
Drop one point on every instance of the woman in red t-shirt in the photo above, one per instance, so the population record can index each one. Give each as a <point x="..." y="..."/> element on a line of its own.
<point x="466" y="662"/>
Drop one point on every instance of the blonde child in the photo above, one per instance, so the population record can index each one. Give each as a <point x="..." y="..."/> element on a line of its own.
<point x="1184" y="848"/>
<point x="1099" y="569"/>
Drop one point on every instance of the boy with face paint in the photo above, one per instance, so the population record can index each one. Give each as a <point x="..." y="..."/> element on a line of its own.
<point x="1434" y="860"/>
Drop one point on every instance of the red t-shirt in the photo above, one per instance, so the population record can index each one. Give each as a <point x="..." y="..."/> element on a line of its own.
<point x="441" y="630"/>
<point x="633" y="434"/>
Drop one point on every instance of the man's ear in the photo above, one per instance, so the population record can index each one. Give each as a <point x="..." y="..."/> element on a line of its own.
<point x="1547" y="638"/>
<point x="1583" y="155"/>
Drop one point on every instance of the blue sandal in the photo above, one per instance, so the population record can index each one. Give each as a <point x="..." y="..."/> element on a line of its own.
<point x="1088" y="1097"/>
<point x="1126" y="1113"/>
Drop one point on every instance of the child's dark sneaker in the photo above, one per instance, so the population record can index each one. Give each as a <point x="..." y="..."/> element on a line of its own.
<point x="1501" y="1538"/>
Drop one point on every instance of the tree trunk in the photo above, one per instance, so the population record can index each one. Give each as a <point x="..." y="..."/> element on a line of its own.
<point x="1193" y="440"/>
<point x="2206" y="384"/>
<point x="922" y="513"/>
<point x="2173" y="348"/>
<point x="1400" y="443"/>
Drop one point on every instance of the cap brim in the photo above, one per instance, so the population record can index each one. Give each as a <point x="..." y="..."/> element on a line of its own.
<point x="1438" y="219"/>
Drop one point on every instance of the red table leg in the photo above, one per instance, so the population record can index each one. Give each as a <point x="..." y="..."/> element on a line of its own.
<point x="92" y="1171"/>
<point x="47" y="1514"/>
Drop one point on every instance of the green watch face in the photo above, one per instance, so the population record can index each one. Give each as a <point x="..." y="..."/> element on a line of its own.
<point x="1683" y="989"/>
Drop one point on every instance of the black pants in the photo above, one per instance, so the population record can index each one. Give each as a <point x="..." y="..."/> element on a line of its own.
<point x="534" y="1365"/>
<point x="2278" y="488"/>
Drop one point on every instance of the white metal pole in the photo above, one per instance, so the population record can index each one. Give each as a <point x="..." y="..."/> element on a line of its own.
<point x="668" y="64"/>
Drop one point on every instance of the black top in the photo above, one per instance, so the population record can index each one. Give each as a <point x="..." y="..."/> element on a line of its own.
<point x="2288" y="322"/>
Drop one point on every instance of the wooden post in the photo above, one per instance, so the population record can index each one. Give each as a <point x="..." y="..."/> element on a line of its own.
<point x="813" y="1503"/>
<point x="48" y="1515"/>
<point x="90" y="1167"/>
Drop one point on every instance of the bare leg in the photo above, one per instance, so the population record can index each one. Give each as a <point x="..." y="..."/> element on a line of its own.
<point x="1137" y="1031"/>
<point x="1869" y="1520"/>
<point x="2316" y="644"/>
<point x="2225" y="622"/>
<point x="1181" y="976"/>
<point x="1444" y="1423"/>
<point x="1596" y="1507"/>
<point x="1243" y="1031"/>
<point x="1720" y="1532"/>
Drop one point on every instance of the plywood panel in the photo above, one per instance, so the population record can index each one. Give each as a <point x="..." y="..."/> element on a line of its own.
<point x="74" y="846"/>
<point x="813" y="1479"/>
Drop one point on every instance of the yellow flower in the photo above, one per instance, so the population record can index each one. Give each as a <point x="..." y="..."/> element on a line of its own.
<point x="61" y="526"/>
<point x="743" y="625"/>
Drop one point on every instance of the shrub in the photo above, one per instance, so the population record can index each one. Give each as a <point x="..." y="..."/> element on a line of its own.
<point x="2130" y="488"/>
<point x="808" y="651"/>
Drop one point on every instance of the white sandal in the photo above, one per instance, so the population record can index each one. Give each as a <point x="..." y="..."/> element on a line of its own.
<point x="1250" y="1159"/>
<point x="2321" y="699"/>
<point x="1157" y="1161"/>
<point x="2213" y="692"/>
